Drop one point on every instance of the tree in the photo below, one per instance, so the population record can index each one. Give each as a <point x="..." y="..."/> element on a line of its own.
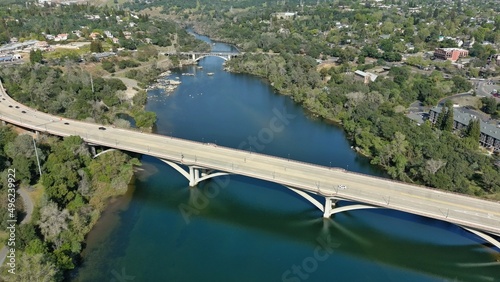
<point x="440" y="119"/>
<point x="52" y="221"/>
<point x="36" y="267"/>
<point x="36" y="56"/>
<point x="474" y="130"/>
<point x="22" y="152"/>
<point x="96" y="46"/>
<point x="433" y="165"/>
<point x="461" y="84"/>
<point x="448" y="120"/>
<point x="489" y="105"/>
<point x="145" y="119"/>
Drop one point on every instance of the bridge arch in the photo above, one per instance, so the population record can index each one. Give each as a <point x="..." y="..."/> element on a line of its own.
<point x="193" y="175"/>
<point x="329" y="208"/>
<point x="225" y="58"/>
<point x="483" y="236"/>
<point x="103" y="152"/>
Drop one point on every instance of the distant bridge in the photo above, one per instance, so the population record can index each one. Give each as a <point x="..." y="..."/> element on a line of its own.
<point x="204" y="161"/>
<point x="196" y="56"/>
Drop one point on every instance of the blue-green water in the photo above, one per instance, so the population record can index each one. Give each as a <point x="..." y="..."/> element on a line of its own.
<point x="241" y="229"/>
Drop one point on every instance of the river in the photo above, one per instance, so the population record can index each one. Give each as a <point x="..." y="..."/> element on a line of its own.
<point x="242" y="229"/>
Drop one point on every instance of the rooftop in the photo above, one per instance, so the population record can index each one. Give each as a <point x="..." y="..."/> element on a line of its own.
<point x="464" y="116"/>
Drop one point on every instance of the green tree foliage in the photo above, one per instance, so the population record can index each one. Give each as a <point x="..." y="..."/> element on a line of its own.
<point x="461" y="84"/>
<point x="76" y="188"/>
<point x="36" y="56"/>
<point x="127" y="64"/>
<point x="22" y="152"/>
<point x="448" y="119"/>
<point x="108" y="66"/>
<point x="489" y="105"/>
<point x="96" y="46"/>
<point x="37" y="267"/>
<point x="145" y="119"/>
<point x="474" y="130"/>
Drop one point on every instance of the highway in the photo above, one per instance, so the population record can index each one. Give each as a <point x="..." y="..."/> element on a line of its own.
<point x="463" y="210"/>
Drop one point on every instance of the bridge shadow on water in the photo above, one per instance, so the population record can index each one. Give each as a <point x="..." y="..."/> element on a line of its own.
<point x="355" y="233"/>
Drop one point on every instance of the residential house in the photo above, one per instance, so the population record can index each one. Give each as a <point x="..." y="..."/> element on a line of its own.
<point x="490" y="134"/>
<point x="108" y="34"/>
<point x="61" y="37"/>
<point x="452" y="54"/>
<point x="285" y="15"/>
<point x="366" y="76"/>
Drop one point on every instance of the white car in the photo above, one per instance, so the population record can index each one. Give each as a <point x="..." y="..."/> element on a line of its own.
<point x="343" y="187"/>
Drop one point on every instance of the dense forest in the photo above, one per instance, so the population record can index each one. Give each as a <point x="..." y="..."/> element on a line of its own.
<point x="69" y="92"/>
<point x="75" y="190"/>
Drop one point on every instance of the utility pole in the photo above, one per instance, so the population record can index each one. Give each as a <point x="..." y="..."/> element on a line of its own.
<point x="37" y="158"/>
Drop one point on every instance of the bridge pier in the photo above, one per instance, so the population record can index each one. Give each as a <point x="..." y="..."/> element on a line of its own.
<point x="195" y="174"/>
<point x="329" y="207"/>
<point x="93" y="151"/>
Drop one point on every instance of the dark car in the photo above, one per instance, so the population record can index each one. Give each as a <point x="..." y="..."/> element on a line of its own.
<point x="10" y="106"/>
<point x="23" y="112"/>
<point x="102" y="128"/>
<point x="17" y="107"/>
<point x="66" y="123"/>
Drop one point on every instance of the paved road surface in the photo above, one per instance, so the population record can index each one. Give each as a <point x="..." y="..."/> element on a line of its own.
<point x="28" y="206"/>
<point x="463" y="210"/>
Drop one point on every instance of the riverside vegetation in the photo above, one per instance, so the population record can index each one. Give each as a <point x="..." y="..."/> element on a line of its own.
<point x="75" y="187"/>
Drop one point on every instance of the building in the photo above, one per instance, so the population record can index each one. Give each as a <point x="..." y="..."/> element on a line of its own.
<point x="10" y="58"/>
<point x="285" y="15"/>
<point x="108" y="34"/>
<point x="61" y="37"/>
<point x="100" y="56"/>
<point x="20" y="46"/>
<point x="490" y="134"/>
<point x="452" y="54"/>
<point x="41" y="45"/>
<point x="367" y="76"/>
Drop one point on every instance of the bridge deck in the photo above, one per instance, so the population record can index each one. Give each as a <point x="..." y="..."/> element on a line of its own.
<point x="459" y="209"/>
